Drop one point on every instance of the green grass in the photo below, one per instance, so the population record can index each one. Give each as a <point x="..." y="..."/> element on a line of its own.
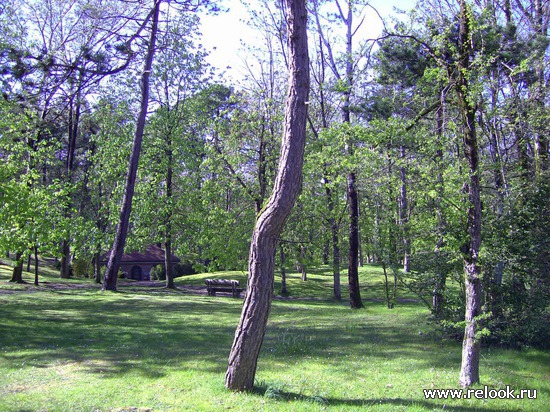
<point x="64" y="349"/>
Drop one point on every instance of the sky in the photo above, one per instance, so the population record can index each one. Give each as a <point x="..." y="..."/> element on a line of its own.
<point x="225" y="33"/>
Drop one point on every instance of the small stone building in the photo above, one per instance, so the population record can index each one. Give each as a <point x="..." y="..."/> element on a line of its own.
<point x="138" y="265"/>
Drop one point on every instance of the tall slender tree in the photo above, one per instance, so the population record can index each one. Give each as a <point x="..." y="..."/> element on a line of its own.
<point x="113" y="265"/>
<point x="345" y="79"/>
<point x="469" y="372"/>
<point x="251" y="329"/>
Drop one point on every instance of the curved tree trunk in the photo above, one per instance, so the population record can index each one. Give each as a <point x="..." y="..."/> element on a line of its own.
<point x="251" y="329"/>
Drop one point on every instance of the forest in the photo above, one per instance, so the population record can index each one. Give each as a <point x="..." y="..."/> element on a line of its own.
<point x="425" y="155"/>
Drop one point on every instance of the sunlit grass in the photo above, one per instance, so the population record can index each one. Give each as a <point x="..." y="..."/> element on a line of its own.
<point x="84" y="349"/>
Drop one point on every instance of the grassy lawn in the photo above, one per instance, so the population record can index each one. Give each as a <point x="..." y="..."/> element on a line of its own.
<point x="81" y="349"/>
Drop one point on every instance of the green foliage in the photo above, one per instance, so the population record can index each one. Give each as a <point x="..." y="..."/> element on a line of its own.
<point x="401" y="58"/>
<point x="158" y="272"/>
<point x="522" y="316"/>
<point x="30" y="214"/>
<point x="520" y="302"/>
<point x="82" y="267"/>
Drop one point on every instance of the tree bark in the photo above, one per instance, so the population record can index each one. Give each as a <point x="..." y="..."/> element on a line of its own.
<point x="65" y="271"/>
<point x="500" y="186"/>
<point x="302" y="264"/>
<point x="113" y="265"/>
<point x="251" y="329"/>
<point x="284" y="290"/>
<point x="168" y="265"/>
<point x="35" y="249"/>
<point x="168" y="262"/>
<point x="97" y="266"/>
<point x="469" y="373"/>
<point x="351" y="190"/>
<point x="333" y="222"/>
<point x="17" y="274"/>
<point x="440" y="277"/>
<point x="353" y="257"/>
<point x="540" y="92"/>
<point x="337" y="293"/>
<point x="403" y="214"/>
<point x="72" y="132"/>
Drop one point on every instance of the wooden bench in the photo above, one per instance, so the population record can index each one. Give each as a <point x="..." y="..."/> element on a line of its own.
<point x="223" y="285"/>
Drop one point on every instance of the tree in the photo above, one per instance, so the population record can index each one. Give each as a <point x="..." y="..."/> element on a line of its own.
<point x="469" y="373"/>
<point x="113" y="265"/>
<point x="66" y="48"/>
<point x="325" y="156"/>
<point x="251" y="329"/>
<point x="109" y="149"/>
<point x="179" y="73"/>
<point x="29" y="217"/>
<point x="345" y="78"/>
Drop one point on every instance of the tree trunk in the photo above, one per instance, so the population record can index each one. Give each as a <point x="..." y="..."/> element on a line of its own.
<point x="65" y="271"/>
<point x="36" y="265"/>
<point x="353" y="259"/>
<point x="168" y="262"/>
<point x="113" y="265"/>
<point x="389" y="302"/>
<point x="302" y="265"/>
<point x="72" y="132"/>
<point x="438" y="299"/>
<point x="168" y="266"/>
<point x="337" y="293"/>
<point x="469" y="373"/>
<point x="351" y="190"/>
<point x="284" y="290"/>
<point x="97" y="266"/>
<point x="500" y="185"/>
<point x="540" y="92"/>
<point x="403" y="214"/>
<point x="251" y="329"/>
<point x="17" y="274"/>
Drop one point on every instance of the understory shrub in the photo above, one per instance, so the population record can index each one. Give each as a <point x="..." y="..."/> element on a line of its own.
<point x="82" y="267"/>
<point x="184" y="268"/>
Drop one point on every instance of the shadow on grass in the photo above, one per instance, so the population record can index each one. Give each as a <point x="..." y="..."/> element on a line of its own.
<point x="134" y="332"/>
<point x="137" y="332"/>
<point x="286" y="396"/>
<point x="336" y="337"/>
<point x="116" y="333"/>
